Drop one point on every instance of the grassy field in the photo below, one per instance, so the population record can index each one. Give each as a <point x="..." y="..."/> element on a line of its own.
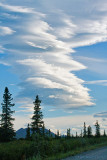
<point x="48" y="149"/>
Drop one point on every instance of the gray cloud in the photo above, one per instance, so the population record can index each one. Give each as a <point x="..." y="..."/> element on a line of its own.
<point x="101" y="114"/>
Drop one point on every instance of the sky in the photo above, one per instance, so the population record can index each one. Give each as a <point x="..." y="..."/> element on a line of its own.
<point x="57" y="50"/>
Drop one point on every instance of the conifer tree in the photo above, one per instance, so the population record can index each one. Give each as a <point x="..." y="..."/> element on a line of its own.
<point x="28" y="132"/>
<point x="58" y="135"/>
<point x="68" y="133"/>
<point x="81" y="133"/>
<point x="89" y="131"/>
<point x="43" y="129"/>
<point x="8" y="132"/>
<point x="37" y="117"/>
<point x="97" y="134"/>
<point x="49" y="133"/>
<point x="76" y="135"/>
<point x="84" y="130"/>
<point x="104" y="133"/>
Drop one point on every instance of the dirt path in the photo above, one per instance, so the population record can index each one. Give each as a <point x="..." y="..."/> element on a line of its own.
<point x="97" y="154"/>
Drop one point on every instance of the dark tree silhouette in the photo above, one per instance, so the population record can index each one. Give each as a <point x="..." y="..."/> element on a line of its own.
<point x="28" y="132"/>
<point x="68" y="133"/>
<point x="89" y="131"/>
<point x="81" y="133"/>
<point x="8" y="132"/>
<point x="49" y="133"/>
<point x="84" y="130"/>
<point x="58" y="134"/>
<point x="76" y="134"/>
<point x="43" y="129"/>
<point x="37" y="123"/>
<point x="104" y="133"/>
<point x="97" y="133"/>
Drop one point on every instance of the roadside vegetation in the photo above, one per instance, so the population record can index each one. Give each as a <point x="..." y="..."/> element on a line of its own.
<point x="48" y="149"/>
<point x="39" y="144"/>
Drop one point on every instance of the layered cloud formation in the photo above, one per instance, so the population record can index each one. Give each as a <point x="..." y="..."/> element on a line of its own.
<point x="39" y="38"/>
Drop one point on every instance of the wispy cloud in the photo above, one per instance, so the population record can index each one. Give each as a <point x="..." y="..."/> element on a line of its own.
<point x="51" y="110"/>
<point x="20" y="9"/>
<point x="4" y="63"/>
<point x="90" y="59"/>
<point x="101" y="114"/>
<point x="97" y="65"/>
<point x="98" y="82"/>
<point x="6" y="31"/>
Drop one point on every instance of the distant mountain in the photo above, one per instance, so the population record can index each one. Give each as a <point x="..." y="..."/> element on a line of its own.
<point x="21" y="133"/>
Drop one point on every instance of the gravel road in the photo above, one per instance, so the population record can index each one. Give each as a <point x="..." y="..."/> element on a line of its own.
<point x="97" y="154"/>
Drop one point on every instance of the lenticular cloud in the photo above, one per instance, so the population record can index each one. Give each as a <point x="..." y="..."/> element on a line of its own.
<point x="40" y="47"/>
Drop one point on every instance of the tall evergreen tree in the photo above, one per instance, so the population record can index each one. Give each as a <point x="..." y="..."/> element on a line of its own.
<point x="49" y="133"/>
<point x="37" y="117"/>
<point x="84" y="130"/>
<point x="68" y="133"/>
<point x="43" y="129"/>
<point x="8" y="132"/>
<point x="97" y="134"/>
<point x="76" y="134"/>
<point x="104" y="133"/>
<point x="89" y="131"/>
<point x="28" y="132"/>
<point x="81" y="133"/>
<point x="58" y="135"/>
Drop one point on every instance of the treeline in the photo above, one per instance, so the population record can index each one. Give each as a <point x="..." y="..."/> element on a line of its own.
<point x="37" y="126"/>
<point x="85" y="133"/>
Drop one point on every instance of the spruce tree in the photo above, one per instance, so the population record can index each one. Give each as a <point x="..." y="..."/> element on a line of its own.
<point x="97" y="134"/>
<point x="57" y="135"/>
<point x="84" y="130"/>
<point x="8" y="132"/>
<point x="28" y="132"/>
<point x="37" y="123"/>
<point x="68" y="133"/>
<point x="76" y="134"/>
<point x="49" y="133"/>
<point x="81" y="133"/>
<point x="104" y="133"/>
<point x="89" y="131"/>
<point x="43" y="129"/>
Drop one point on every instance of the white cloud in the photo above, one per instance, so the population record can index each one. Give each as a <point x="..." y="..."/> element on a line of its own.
<point x="90" y="59"/>
<point x="4" y="63"/>
<point x="36" y="46"/>
<point x="98" y="82"/>
<point x="51" y="110"/>
<point x="9" y="16"/>
<point x="5" y="31"/>
<point x="19" y="9"/>
<point x="58" y="78"/>
<point x="1" y="49"/>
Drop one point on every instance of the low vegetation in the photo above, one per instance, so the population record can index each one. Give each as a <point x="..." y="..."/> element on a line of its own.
<point x="47" y="149"/>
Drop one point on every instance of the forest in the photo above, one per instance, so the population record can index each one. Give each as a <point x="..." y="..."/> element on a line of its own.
<point x="40" y="143"/>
